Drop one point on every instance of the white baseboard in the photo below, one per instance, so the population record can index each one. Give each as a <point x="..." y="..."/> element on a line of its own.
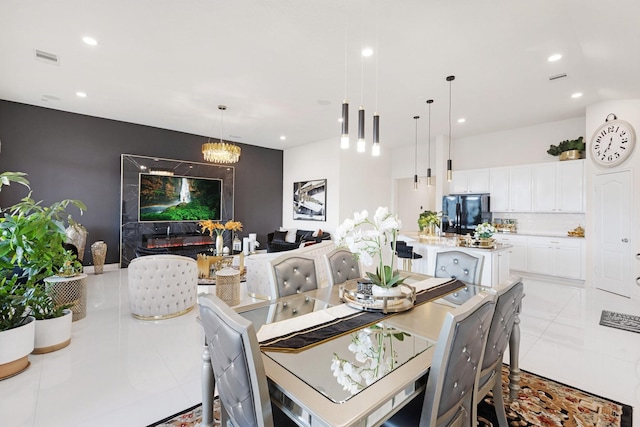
<point x="89" y="269"/>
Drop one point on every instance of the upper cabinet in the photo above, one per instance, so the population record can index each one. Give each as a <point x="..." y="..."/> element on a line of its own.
<point x="510" y="189"/>
<point x="470" y="181"/>
<point x="558" y="187"/>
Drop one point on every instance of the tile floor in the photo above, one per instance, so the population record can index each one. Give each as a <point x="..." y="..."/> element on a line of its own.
<point x="119" y="371"/>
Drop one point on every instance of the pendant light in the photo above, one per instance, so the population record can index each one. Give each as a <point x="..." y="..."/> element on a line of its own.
<point x="415" y="175"/>
<point x="221" y="152"/>
<point x="429" y="102"/>
<point x="375" y="147"/>
<point x="344" y="139"/>
<point x="361" y="142"/>
<point x="449" y="162"/>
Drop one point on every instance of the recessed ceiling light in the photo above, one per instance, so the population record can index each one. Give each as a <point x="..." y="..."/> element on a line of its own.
<point x="90" y="41"/>
<point x="462" y="120"/>
<point x="576" y="95"/>
<point x="81" y="94"/>
<point x="367" y="51"/>
<point x="282" y="138"/>
<point x="554" y="57"/>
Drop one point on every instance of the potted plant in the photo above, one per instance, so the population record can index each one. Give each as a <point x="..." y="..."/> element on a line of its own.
<point x="366" y="239"/>
<point x="31" y="248"/>
<point x="428" y="221"/>
<point x="570" y="149"/>
<point x="53" y="322"/>
<point x="17" y="328"/>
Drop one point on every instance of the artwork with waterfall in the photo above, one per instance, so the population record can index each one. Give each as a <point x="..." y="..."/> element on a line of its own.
<point x="179" y="198"/>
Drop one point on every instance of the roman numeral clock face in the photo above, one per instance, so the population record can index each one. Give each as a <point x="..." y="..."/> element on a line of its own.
<point x="612" y="143"/>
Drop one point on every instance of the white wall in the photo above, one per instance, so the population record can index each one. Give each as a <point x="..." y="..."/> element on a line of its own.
<point x="355" y="181"/>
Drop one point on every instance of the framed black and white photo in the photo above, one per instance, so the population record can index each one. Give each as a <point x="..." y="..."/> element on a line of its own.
<point x="310" y="200"/>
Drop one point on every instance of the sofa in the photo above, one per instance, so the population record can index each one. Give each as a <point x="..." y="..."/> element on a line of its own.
<point x="281" y="240"/>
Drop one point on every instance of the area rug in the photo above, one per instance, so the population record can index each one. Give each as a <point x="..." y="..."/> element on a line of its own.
<point x="627" y="322"/>
<point x="541" y="402"/>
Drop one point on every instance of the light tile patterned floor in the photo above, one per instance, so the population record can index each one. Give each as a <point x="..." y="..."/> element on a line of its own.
<point x="119" y="371"/>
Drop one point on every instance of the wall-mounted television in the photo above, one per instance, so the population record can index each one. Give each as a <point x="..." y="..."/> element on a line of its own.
<point x="179" y="198"/>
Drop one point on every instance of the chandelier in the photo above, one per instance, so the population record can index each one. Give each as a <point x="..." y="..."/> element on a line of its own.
<point x="221" y="152"/>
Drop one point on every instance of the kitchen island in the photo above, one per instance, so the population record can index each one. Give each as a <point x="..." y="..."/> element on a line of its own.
<point x="494" y="262"/>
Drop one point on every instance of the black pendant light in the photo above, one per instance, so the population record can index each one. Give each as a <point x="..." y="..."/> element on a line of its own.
<point x="429" y="102"/>
<point x="415" y="175"/>
<point x="344" y="139"/>
<point x="449" y="162"/>
<point x="375" y="148"/>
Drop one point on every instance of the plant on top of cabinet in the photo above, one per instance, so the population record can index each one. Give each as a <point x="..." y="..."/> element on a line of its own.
<point x="569" y="149"/>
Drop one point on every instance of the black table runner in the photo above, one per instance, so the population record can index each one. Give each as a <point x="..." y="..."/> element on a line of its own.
<point x="305" y="338"/>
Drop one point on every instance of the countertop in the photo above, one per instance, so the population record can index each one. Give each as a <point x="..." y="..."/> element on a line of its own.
<point x="448" y="242"/>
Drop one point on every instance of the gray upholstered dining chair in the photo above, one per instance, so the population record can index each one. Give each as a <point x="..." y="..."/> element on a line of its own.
<point x="291" y="274"/>
<point x="448" y="399"/>
<point x="237" y="367"/>
<point x="341" y="266"/>
<point x="509" y="299"/>
<point x="461" y="266"/>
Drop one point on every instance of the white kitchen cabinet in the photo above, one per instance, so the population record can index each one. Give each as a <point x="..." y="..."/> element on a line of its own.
<point x="556" y="256"/>
<point x="470" y="181"/>
<point x="510" y="189"/>
<point x="558" y="187"/>
<point x="570" y="189"/>
<point x="517" y="252"/>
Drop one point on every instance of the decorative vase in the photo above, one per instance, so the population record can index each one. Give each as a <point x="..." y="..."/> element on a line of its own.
<point x="77" y="236"/>
<point x="430" y="229"/>
<point x="219" y="244"/>
<point x="379" y="291"/>
<point x="99" y="253"/>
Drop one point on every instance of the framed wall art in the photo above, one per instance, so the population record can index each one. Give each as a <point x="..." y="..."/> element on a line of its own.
<point x="309" y="200"/>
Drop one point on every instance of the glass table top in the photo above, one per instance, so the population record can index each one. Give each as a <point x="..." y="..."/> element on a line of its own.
<point x="341" y="368"/>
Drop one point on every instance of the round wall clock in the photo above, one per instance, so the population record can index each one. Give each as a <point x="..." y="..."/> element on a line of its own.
<point x="613" y="142"/>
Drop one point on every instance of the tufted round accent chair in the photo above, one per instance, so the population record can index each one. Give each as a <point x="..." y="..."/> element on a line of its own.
<point x="162" y="286"/>
<point x="341" y="266"/>
<point x="292" y="274"/>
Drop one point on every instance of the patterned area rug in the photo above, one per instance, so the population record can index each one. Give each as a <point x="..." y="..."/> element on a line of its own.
<point x="541" y="402"/>
<point x="627" y="322"/>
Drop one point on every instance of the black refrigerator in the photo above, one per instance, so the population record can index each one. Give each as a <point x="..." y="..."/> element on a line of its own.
<point x="464" y="212"/>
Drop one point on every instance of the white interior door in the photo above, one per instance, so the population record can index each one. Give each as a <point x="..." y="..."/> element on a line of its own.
<point x="613" y="254"/>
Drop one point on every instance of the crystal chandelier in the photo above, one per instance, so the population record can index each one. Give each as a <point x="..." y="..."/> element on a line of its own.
<point x="221" y="152"/>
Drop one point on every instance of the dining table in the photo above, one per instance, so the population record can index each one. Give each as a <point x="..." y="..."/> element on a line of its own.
<point x="331" y="361"/>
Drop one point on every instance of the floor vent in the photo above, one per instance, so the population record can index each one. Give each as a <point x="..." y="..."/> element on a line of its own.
<point x="47" y="57"/>
<point x="558" y="76"/>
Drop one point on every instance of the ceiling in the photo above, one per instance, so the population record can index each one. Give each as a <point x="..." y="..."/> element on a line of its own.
<point x="283" y="67"/>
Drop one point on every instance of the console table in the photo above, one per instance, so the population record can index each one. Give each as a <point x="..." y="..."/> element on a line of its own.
<point x="188" y="244"/>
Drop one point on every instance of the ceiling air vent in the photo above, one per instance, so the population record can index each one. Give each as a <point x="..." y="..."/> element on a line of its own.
<point x="47" y="57"/>
<point x="558" y="76"/>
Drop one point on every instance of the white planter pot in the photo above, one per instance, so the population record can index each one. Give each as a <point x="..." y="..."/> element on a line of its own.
<point x="15" y="346"/>
<point x="53" y="334"/>
<point x="379" y="291"/>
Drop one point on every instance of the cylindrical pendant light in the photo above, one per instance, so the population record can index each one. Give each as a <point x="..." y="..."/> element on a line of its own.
<point x="449" y="162"/>
<point x="344" y="139"/>
<point x="429" y="102"/>
<point x="375" y="148"/>
<point x="415" y="175"/>
<point x="361" y="142"/>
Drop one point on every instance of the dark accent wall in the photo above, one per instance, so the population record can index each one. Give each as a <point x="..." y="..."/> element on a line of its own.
<point x="72" y="156"/>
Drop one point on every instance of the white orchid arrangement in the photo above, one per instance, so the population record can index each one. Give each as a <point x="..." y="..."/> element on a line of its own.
<point x="484" y="231"/>
<point x="376" y="356"/>
<point x="366" y="239"/>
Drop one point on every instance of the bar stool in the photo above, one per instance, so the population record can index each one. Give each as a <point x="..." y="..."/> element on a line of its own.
<point x="407" y="254"/>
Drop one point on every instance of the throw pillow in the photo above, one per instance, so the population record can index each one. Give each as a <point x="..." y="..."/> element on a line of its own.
<point x="291" y="234"/>
<point x="279" y="236"/>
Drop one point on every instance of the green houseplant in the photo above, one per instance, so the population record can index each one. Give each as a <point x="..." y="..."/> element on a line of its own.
<point x="569" y="145"/>
<point x="31" y="248"/>
<point x="428" y="220"/>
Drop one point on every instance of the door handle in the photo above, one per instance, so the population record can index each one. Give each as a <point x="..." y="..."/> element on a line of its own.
<point x="638" y="281"/>
<point x="625" y="240"/>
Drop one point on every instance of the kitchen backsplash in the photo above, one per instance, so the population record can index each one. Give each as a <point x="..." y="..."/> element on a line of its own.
<point x="544" y="223"/>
